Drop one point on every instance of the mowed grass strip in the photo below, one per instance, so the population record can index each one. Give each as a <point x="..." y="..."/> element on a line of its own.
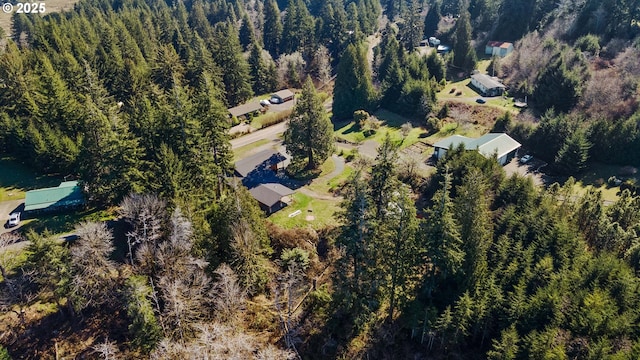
<point x="243" y="151"/>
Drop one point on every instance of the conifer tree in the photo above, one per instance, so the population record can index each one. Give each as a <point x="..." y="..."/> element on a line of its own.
<point x="272" y="33"/>
<point x="353" y="89"/>
<point x="228" y="55"/>
<point x="464" y="56"/>
<point x="432" y="19"/>
<point x="310" y="132"/>
<point x="474" y="217"/>
<point x="247" y="33"/>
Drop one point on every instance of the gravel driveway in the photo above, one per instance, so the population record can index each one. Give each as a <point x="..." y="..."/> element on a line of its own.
<point x="6" y="208"/>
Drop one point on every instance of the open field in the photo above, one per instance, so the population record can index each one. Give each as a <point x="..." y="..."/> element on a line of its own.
<point x="63" y="223"/>
<point x="596" y="176"/>
<point x="322" y="212"/>
<point x="390" y="124"/>
<point x="51" y="7"/>
<point x="16" y="179"/>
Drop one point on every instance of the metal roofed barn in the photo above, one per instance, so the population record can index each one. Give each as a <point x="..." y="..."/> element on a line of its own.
<point x="246" y="109"/>
<point x="500" y="144"/>
<point x="66" y="196"/>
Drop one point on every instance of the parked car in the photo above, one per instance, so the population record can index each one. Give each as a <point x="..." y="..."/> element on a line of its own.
<point x="480" y="101"/>
<point x="274" y="100"/>
<point x="265" y="102"/>
<point x="525" y="159"/>
<point x="14" y="219"/>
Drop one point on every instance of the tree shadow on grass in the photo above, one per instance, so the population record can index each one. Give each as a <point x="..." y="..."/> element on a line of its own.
<point x="62" y="222"/>
<point x="18" y="176"/>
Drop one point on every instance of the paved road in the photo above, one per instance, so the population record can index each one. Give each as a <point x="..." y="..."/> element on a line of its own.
<point x="269" y="133"/>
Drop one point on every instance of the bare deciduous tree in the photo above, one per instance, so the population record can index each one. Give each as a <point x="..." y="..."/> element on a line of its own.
<point x="93" y="269"/>
<point x="229" y="295"/>
<point x="219" y="341"/>
<point x="184" y="285"/>
<point x="322" y="64"/>
<point x="291" y="70"/>
<point x="147" y="215"/>
<point x="107" y="350"/>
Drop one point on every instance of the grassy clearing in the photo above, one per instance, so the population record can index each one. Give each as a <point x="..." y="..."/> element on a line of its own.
<point x="609" y="194"/>
<point x="15" y="259"/>
<point x="51" y="7"/>
<point x="63" y="223"/>
<point x="596" y="175"/>
<point x="390" y="124"/>
<point x="242" y="151"/>
<point x="16" y="179"/>
<point x="469" y="130"/>
<point x="331" y="185"/>
<point x="327" y="167"/>
<point x="322" y="210"/>
<point x="452" y="88"/>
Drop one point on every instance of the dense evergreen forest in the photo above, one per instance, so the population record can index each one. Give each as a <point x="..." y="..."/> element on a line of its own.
<point x="131" y="97"/>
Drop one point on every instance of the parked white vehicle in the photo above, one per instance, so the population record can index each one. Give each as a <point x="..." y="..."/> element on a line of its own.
<point x="14" y="219"/>
<point x="525" y="159"/>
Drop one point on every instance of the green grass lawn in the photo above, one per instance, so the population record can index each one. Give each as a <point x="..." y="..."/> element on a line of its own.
<point x="323" y="212"/>
<point x="390" y="123"/>
<point x="16" y="179"/>
<point x="596" y="176"/>
<point x="62" y="223"/>
<point x="329" y="185"/>
<point x="240" y="152"/>
<point x="462" y="85"/>
<point x="468" y="130"/>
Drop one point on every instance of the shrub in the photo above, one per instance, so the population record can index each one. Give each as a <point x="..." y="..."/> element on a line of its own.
<point x="4" y="354"/>
<point x="433" y="124"/>
<point x="274" y="118"/>
<point x="295" y="256"/>
<point x="360" y="117"/>
<point x="589" y="43"/>
<point x="444" y="111"/>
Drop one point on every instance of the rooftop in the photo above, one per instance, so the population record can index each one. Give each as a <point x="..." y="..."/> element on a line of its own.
<point x="265" y="157"/>
<point x="454" y="141"/>
<point x="269" y="194"/>
<point x="500" y="44"/>
<point x="488" y="144"/>
<point x="498" y="143"/>
<point x="283" y="94"/>
<point x="487" y="81"/>
<point x="67" y="193"/>
<point x="245" y="108"/>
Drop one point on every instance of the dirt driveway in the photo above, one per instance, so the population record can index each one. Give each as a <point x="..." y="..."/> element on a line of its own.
<point x="6" y="208"/>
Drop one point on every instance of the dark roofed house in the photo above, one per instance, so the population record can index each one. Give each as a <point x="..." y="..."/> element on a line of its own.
<point x="500" y="144"/>
<point x="283" y="96"/>
<point x="271" y="196"/>
<point x="264" y="159"/>
<point x="251" y="108"/>
<point x="487" y="85"/>
<point x="67" y="195"/>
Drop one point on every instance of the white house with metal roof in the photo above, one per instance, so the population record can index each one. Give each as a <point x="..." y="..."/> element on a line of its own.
<point x="487" y="85"/>
<point x="503" y="146"/>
